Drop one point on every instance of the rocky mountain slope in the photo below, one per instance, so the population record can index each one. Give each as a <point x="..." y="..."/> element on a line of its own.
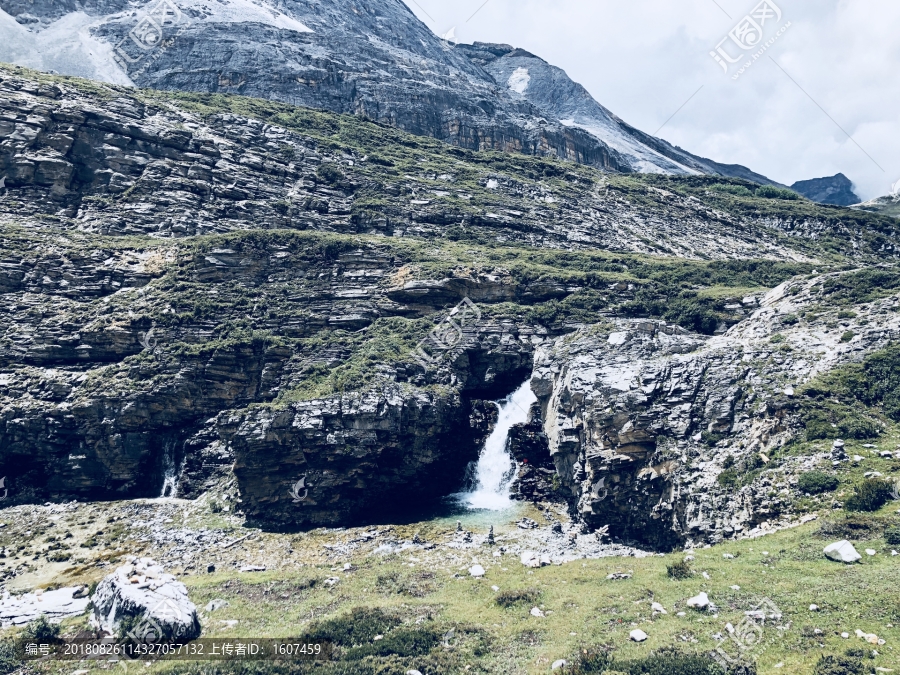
<point x="529" y="77"/>
<point x="375" y="59"/>
<point x="888" y="205"/>
<point x="203" y="288"/>
<point x="644" y="419"/>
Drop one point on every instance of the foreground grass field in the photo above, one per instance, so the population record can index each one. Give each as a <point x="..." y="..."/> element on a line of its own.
<point x="582" y="607"/>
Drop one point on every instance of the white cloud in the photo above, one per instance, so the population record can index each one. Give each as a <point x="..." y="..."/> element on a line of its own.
<point x="643" y="60"/>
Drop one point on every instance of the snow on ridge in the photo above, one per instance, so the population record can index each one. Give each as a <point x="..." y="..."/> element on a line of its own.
<point x="54" y="48"/>
<point x="644" y="158"/>
<point x="243" y="11"/>
<point x="518" y="81"/>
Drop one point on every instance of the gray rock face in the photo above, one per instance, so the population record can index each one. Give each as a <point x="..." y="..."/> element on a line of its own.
<point x="117" y="163"/>
<point x="352" y="458"/>
<point x="837" y="189"/>
<point x="640" y="416"/>
<point x="130" y="365"/>
<point x="55" y="605"/>
<point x="376" y="60"/>
<point x="154" y="605"/>
<point x="529" y="78"/>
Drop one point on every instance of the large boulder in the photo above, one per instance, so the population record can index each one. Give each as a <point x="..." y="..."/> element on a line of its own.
<point x="842" y="551"/>
<point x="145" y="603"/>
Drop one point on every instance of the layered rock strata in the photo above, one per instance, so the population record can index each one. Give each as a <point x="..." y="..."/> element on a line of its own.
<point x="642" y="417"/>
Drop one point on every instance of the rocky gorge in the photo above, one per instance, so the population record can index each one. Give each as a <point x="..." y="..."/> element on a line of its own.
<point x="203" y="289"/>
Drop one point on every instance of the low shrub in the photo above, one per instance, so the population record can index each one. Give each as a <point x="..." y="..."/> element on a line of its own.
<point x="679" y="570"/>
<point x="817" y="482"/>
<point x="712" y="437"/>
<point x="828" y="419"/>
<point x="739" y="190"/>
<point x="892" y="535"/>
<point x="517" y="597"/>
<point x="870" y="495"/>
<point x="406" y="641"/>
<point x="330" y="174"/>
<point x="41" y="630"/>
<point x="728" y="478"/>
<point x="666" y="661"/>
<point x="838" y="665"/>
<point x="358" y="627"/>
<point x="772" y="192"/>
<point x="856" y="526"/>
<point x="9" y="659"/>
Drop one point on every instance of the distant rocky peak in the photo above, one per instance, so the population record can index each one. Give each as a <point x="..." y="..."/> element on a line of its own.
<point x="836" y="189"/>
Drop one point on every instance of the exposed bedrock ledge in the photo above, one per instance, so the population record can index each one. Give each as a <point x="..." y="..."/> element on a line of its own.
<point x="641" y="418"/>
<point x="106" y="446"/>
<point x="390" y="451"/>
<point x="353" y="457"/>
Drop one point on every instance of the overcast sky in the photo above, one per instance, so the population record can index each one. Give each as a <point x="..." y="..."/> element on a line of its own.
<point x="644" y="59"/>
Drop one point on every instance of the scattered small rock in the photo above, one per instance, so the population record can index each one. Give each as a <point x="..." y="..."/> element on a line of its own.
<point x="842" y="551"/>
<point x="559" y="663"/>
<point x="476" y="571"/>
<point x="535" y="611"/>
<point x="700" y="601"/>
<point x="213" y="605"/>
<point x="637" y="635"/>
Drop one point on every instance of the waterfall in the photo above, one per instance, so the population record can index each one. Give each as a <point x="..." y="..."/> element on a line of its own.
<point x="496" y="469"/>
<point x="170" y="472"/>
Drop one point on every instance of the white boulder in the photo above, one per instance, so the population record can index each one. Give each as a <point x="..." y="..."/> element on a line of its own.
<point x="637" y="635"/>
<point x="534" y="559"/>
<point x="476" y="571"/>
<point x="700" y="601"/>
<point x="155" y="603"/>
<point x="842" y="551"/>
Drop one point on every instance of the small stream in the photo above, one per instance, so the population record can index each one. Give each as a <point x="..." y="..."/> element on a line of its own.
<point x="490" y="478"/>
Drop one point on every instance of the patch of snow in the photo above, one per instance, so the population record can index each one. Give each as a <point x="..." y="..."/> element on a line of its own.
<point x="54" y="48"/>
<point x="518" y="81"/>
<point x="642" y="157"/>
<point x="244" y="11"/>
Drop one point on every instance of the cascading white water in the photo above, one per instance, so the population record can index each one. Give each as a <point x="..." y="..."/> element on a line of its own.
<point x="170" y="472"/>
<point x="496" y="469"/>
